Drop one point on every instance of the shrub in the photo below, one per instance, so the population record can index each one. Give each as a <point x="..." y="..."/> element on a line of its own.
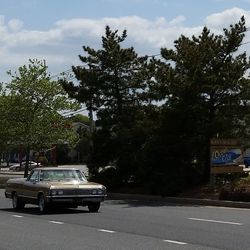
<point x="237" y="191"/>
<point x="108" y="177"/>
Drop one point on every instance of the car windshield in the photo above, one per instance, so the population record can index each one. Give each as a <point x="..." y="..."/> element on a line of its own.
<point x="61" y="175"/>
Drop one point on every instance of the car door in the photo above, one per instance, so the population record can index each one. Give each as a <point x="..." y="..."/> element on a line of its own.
<point x="31" y="186"/>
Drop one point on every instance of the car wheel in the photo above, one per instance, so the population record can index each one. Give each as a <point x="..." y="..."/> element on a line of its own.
<point x="16" y="202"/>
<point x="42" y="204"/>
<point x="94" y="207"/>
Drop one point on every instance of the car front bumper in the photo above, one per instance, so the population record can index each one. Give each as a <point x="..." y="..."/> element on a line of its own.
<point x="79" y="200"/>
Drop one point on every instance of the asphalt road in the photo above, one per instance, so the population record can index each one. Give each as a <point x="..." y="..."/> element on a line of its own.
<point x="125" y="225"/>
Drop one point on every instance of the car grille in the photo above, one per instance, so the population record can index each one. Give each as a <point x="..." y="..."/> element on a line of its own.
<point x="77" y="191"/>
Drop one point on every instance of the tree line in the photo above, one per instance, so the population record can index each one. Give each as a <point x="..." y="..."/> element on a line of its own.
<point x="154" y="117"/>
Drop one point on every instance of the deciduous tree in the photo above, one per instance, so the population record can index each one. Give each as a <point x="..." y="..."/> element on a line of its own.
<point x="35" y="107"/>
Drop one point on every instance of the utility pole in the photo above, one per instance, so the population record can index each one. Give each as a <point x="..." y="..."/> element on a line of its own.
<point x="91" y="127"/>
<point x="91" y="142"/>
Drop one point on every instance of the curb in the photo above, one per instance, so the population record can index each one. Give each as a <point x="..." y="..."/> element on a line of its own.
<point x="177" y="200"/>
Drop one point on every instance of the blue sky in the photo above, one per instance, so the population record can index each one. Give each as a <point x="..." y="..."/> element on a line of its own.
<point x="56" y="30"/>
<point x="43" y="13"/>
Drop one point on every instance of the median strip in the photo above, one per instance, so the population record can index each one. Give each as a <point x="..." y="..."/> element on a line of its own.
<point x="175" y="242"/>
<point x="217" y="221"/>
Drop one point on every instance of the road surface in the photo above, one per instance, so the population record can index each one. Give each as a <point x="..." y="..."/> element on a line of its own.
<point x="125" y="225"/>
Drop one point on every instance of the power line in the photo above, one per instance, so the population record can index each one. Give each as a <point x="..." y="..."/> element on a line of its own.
<point x="70" y="70"/>
<point x="245" y="43"/>
<point x="66" y="112"/>
<point x="154" y="55"/>
<point x="74" y="112"/>
<point x="59" y="74"/>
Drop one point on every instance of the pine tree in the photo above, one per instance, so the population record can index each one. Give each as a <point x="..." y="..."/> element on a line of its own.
<point x="111" y="85"/>
<point x="206" y="88"/>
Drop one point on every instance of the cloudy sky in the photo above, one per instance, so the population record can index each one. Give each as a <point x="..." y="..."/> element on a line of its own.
<point x="56" y="30"/>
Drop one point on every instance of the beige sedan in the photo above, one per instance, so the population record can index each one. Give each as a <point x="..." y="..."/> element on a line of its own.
<point x="65" y="187"/>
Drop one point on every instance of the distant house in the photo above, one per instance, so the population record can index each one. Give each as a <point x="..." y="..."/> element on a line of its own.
<point x="77" y="125"/>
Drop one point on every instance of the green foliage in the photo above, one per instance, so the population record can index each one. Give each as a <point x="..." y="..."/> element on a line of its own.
<point x="111" y="84"/>
<point x="33" y="109"/>
<point x="238" y="190"/>
<point x="108" y="81"/>
<point x="35" y="106"/>
<point x="206" y="92"/>
<point x="4" y="126"/>
<point x="108" y="177"/>
<point x="155" y="118"/>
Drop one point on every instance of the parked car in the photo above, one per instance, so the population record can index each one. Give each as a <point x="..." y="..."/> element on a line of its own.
<point x="32" y="164"/>
<point x="66" y="187"/>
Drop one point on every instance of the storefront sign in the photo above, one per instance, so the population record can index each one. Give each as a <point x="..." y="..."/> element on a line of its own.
<point x="226" y="156"/>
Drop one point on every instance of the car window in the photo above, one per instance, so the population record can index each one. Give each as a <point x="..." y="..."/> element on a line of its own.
<point x="45" y="175"/>
<point x="33" y="176"/>
<point x="59" y="175"/>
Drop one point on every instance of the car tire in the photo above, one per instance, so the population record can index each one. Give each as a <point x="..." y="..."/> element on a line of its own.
<point x="16" y="202"/>
<point x="42" y="204"/>
<point x="94" y="207"/>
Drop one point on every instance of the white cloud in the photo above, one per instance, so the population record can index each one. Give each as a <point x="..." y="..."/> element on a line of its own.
<point x="2" y="20"/>
<point x="155" y="34"/>
<point x="18" y="44"/>
<point x="177" y="20"/>
<point x="61" y="44"/>
<point x="227" y="17"/>
<point x="15" y="25"/>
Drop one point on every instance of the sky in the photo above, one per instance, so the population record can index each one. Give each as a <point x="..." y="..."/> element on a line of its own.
<point x="56" y="30"/>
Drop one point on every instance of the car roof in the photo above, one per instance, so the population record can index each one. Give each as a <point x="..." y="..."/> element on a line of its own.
<point x="55" y="168"/>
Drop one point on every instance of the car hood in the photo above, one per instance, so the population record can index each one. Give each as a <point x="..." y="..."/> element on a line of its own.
<point x="60" y="184"/>
<point x="16" y="180"/>
<point x="73" y="184"/>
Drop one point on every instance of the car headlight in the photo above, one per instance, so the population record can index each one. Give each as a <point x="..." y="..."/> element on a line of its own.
<point x="56" y="192"/>
<point x="53" y="192"/>
<point x="94" y="191"/>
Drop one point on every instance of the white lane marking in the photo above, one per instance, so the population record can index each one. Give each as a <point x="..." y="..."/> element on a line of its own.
<point x="175" y="242"/>
<point x="17" y="216"/>
<point x="106" y="231"/>
<point x="56" y="222"/>
<point x="217" y="221"/>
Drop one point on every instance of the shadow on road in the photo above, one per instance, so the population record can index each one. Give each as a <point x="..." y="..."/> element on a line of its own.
<point x="53" y="210"/>
<point x="141" y="203"/>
